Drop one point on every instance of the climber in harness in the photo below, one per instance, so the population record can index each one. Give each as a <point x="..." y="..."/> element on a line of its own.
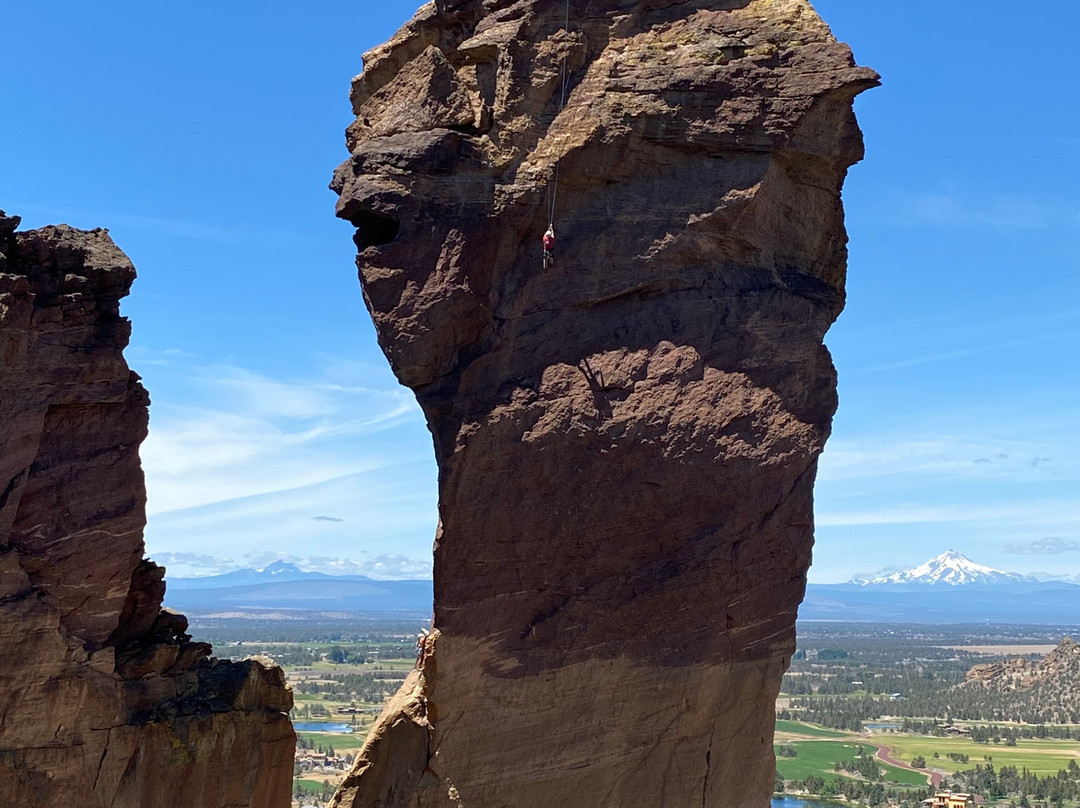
<point x="549" y="246"/>
<point x="421" y="647"/>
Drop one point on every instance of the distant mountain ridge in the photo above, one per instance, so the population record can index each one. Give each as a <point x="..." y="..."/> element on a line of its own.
<point x="278" y="571"/>
<point x="948" y="569"/>
<point x="948" y="588"/>
<point x="284" y="587"/>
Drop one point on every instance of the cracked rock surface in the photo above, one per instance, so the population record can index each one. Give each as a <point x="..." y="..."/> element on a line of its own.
<point x="627" y="440"/>
<point x="105" y="701"/>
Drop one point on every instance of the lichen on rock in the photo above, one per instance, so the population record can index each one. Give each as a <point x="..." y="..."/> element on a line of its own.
<point x="105" y="700"/>
<point x="627" y="440"/>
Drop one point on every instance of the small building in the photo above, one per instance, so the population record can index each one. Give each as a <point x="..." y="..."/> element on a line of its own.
<point x="954" y="731"/>
<point x="946" y="799"/>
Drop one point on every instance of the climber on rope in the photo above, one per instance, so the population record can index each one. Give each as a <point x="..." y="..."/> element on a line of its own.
<point x="549" y="246"/>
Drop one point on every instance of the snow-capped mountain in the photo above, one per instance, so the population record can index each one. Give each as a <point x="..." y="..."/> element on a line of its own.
<point x="948" y="569"/>
<point x="274" y="573"/>
<point x="280" y="569"/>
<point x="282" y="586"/>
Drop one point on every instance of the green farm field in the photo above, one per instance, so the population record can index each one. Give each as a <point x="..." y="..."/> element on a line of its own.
<point x="817" y="757"/>
<point x="802" y="729"/>
<point x="341" y="741"/>
<point x="1041" y="756"/>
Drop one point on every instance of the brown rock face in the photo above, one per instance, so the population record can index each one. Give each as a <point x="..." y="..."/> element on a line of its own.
<point x="104" y="699"/>
<point x="1059" y="670"/>
<point x="627" y="440"/>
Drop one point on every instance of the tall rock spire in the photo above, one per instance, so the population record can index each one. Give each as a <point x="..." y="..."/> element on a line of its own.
<point x="627" y="440"/>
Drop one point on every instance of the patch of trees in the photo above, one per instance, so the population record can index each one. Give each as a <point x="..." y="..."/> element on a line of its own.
<point x="993" y="733"/>
<point x="361" y="687"/>
<point x="1008" y="781"/>
<point x="850" y="713"/>
<point x="796" y="685"/>
<point x="927" y="677"/>
<point x="838" y="713"/>
<point x="313" y="746"/>
<point x="863" y="764"/>
<point x="854" y="791"/>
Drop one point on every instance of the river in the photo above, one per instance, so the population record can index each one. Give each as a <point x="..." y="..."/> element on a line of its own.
<point x="322" y="726"/>
<point x="797" y="802"/>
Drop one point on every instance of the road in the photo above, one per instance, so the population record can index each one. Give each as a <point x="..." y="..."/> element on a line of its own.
<point x="884" y="753"/>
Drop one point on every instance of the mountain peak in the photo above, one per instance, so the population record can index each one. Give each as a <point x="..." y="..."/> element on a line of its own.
<point x="280" y="568"/>
<point x="949" y="569"/>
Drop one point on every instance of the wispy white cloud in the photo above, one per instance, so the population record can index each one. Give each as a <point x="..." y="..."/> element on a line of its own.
<point x="258" y="395"/>
<point x="138" y="355"/>
<point x="961" y="457"/>
<point x="340" y="461"/>
<point x="174" y="227"/>
<point x="973" y="350"/>
<point x="1043" y="512"/>
<point x="1053" y="545"/>
<point x="256" y="435"/>
<point x="160" y="225"/>
<point x="193" y="563"/>
<point x="164" y="225"/>
<point x="388" y="566"/>
<point x="998" y="209"/>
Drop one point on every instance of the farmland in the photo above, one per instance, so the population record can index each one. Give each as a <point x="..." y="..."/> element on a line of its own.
<point x="842" y="679"/>
<point x="899" y="690"/>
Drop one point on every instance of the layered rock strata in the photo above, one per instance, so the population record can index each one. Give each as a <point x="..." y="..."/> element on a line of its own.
<point x="105" y="701"/>
<point x="627" y="440"/>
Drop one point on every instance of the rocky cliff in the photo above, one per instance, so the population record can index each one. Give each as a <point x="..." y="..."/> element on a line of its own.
<point x="104" y="699"/>
<point x="1035" y="691"/>
<point x="1060" y="668"/>
<point x="627" y="440"/>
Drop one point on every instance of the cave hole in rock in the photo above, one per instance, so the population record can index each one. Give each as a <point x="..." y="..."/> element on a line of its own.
<point x="374" y="229"/>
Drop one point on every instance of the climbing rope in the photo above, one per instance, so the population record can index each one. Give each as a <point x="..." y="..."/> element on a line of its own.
<point x="553" y="187"/>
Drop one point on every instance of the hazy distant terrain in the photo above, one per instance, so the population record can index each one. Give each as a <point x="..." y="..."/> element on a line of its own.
<point x="284" y="589"/>
<point x="946" y="589"/>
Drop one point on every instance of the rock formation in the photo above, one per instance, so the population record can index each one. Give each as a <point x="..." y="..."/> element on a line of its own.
<point x="1034" y="691"/>
<point x="626" y="441"/>
<point x="1059" y="669"/>
<point x="105" y="701"/>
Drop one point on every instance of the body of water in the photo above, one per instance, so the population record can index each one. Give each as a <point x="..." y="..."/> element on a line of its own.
<point x="320" y="726"/>
<point x="883" y="726"/>
<point x="797" y="802"/>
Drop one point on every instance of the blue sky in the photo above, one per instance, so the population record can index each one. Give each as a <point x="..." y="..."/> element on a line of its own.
<point x="203" y="135"/>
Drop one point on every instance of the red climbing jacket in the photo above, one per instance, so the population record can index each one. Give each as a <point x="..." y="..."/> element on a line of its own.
<point x="549" y="240"/>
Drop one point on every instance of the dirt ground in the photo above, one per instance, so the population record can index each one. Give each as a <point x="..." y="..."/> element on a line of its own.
<point x="1003" y="650"/>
